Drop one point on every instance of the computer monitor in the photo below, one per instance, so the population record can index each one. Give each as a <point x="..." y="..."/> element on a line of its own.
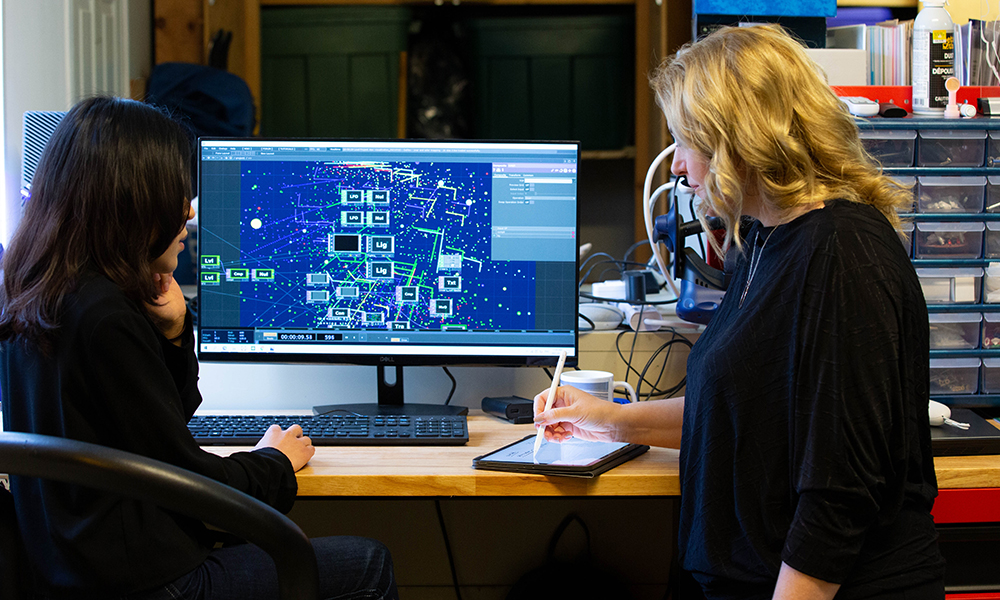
<point x="387" y="253"/>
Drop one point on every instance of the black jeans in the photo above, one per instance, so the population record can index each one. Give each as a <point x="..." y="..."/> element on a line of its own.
<point x="350" y="568"/>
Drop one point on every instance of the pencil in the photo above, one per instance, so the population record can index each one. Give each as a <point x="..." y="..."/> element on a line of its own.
<point x="540" y="435"/>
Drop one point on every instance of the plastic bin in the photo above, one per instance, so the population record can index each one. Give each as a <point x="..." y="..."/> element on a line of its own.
<point x="907" y="229"/>
<point x="955" y="375"/>
<point x="891" y="147"/>
<point x="951" y="148"/>
<point x="993" y="194"/>
<point x="948" y="240"/>
<point x="955" y="331"/>
<point x="991" y="246"/>
<point x="991" y="284"/>
<point x="909" y="183"/>
<point x="991" y="330"/>
<point x="945" y="194"/>
<point x="993" y="149"/>
<point x="951" y="285"/>
<point x="990" y="383"/>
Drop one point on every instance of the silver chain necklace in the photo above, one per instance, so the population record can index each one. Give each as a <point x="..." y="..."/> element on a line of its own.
<point x="754" y="265"/>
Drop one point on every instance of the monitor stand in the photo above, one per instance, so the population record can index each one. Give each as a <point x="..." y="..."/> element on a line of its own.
<point x="390" y="400"/>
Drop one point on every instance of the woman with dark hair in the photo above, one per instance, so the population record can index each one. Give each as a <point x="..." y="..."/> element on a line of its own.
<point x="97" y="345"/>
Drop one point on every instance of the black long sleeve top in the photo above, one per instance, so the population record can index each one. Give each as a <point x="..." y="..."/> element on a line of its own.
<point x="113" y="379"/>
<point x="805" y="436"/>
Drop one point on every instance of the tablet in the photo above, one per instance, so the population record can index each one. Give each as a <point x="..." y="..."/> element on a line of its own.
<point x="574" y="458"/>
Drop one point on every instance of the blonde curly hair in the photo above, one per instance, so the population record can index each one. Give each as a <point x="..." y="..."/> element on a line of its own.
<point x="754" y="104"/>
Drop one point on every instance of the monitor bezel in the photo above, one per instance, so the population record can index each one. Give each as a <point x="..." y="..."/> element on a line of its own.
<point x="525" y="359"/>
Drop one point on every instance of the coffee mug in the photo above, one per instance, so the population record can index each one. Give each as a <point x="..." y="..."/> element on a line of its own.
<point x="596" y="383"/>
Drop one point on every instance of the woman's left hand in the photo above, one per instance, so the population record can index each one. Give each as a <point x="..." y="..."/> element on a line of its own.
<point x="170" y="308"/>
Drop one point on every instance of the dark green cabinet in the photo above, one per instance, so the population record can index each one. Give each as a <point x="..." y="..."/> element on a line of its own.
<point x="331" y="71"/>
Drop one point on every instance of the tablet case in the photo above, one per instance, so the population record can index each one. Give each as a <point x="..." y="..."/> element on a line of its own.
<point x="980" y="438"/>
<point x="613" y="460"/>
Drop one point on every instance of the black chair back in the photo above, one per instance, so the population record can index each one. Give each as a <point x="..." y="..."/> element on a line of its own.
<point x="165" y="485"/>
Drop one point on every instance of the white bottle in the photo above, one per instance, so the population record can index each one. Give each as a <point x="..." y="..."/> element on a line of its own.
<point x="933" y="57"/>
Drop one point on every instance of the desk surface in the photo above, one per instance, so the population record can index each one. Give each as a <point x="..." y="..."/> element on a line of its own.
<point x="447" y="471"/>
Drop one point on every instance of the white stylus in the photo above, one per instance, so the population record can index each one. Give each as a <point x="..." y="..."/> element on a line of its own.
<point x="540" y="435"/>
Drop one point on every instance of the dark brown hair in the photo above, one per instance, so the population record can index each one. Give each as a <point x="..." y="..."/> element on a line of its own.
<point x="110" y="194"/>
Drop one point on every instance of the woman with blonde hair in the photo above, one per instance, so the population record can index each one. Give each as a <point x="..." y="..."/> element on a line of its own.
<point x="805" y="455"/>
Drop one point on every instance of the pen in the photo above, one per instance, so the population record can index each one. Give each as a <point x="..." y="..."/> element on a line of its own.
<point x="540" y="435"/>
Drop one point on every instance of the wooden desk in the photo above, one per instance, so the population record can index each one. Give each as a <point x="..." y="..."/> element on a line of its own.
<point x="422" y="471"/>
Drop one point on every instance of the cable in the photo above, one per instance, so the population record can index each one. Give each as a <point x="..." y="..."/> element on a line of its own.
<point x="590" y="321"/>
<point x="447" y="549"/>
<point x="666" y="346"/>
<point x="647" y="303"/>
<point x="633" y="248"/>
<point x="647" y="210"/>
<point x="454" y="385"/>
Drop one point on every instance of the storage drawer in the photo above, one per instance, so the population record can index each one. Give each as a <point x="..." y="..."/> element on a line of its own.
<point x="891" y="147"/>
<point x="951" y="194"/>
<point x="949" y="240"/>
<point x="955" y="375"/>
<point x="955" y="331"/>
<point x="951" y="148"/>
<point x="951" y="285"/>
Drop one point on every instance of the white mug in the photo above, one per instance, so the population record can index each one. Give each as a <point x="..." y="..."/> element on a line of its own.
<point x="596" y="383"/>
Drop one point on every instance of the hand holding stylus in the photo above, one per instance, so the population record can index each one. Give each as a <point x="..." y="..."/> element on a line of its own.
<point x="540" y="435"/>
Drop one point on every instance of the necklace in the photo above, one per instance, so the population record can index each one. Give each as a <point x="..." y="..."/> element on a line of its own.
<point x="754" y="265"/>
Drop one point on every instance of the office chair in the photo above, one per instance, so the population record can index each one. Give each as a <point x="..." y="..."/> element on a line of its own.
<point x="149" y="480"/>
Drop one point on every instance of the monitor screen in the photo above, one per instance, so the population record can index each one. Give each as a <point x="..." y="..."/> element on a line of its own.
<point x="390" y="252"/>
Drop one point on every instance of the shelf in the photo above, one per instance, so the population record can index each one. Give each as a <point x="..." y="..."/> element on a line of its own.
<point x="950" y="217"/>
<point x="443" y="2"/>
<point x="944" y="263"/>
<point x="920" y="171"/>
<point x="879" y="3"/>
<point x="976" y="353"/>
<point x="627" y="152"/>
<point x="969" y="400"/>
<point x="963" y="308"/>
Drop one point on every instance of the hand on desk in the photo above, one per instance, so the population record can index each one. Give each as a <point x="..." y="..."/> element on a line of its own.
<point x="290" y="442"/>
<point x="576" y="414"/>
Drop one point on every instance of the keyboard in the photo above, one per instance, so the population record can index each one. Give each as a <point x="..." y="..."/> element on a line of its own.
<point x="334" y="429"/>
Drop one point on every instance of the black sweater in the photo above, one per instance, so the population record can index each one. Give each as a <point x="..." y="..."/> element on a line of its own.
<point x="805" y="436"/>
<point x="113" y="379"/>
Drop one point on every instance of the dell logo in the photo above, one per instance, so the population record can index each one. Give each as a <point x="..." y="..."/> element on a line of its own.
<point x="385" y="359"/>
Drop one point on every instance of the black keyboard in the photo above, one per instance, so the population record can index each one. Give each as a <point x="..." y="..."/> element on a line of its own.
<point x="334" y="429"/>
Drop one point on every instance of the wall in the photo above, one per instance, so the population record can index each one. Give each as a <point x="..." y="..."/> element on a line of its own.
<point x="37" y="76"/>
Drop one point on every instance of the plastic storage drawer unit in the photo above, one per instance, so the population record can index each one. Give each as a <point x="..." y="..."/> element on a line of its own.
<point x="951" y="285"/>
<point x="955" y="331"/>
<point x="991" y="376"/>
<point x="943" y="194"/>
<point x="955" y="375"/>
<point x="951" y="148"/>
<point x="891" y="147"/>
<point x="949" y="240"/>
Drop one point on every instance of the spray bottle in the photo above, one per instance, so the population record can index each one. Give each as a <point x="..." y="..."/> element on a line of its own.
<point x="933" y="57"/>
